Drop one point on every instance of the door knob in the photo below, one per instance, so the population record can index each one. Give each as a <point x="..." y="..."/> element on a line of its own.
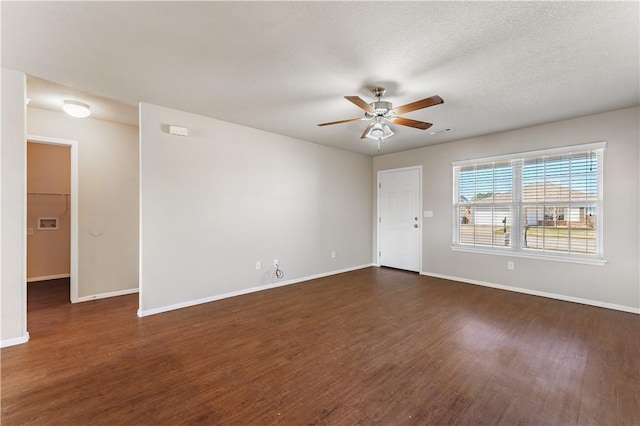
<point x="415" y="226"/>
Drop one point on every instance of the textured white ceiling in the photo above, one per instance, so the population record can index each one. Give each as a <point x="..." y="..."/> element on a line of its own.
<point x="285" y="66"/>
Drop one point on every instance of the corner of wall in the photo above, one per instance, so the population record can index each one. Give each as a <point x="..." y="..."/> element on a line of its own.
<point x="13" y="209"/>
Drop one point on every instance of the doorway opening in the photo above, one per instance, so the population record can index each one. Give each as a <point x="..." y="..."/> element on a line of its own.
<point x="52" y="216"/>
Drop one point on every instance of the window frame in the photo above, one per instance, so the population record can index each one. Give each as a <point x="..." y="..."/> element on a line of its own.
<point x="516" y="247"/>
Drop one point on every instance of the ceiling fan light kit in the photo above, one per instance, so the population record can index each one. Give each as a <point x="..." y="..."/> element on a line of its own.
<point x="379" y="131"/>
<point x="382" y="112"/>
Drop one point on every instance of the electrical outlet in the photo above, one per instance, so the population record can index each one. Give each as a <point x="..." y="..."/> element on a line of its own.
<point x="333" y="254"/>
<point x="258" y="265"/>
<point x="510" y="266"/>
<point x="275" y="263"/>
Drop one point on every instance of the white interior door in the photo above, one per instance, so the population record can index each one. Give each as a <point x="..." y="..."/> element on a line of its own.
<point x="399" y="223"/>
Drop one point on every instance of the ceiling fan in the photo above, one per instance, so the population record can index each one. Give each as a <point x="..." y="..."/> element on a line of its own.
<point x="380" y="113"/>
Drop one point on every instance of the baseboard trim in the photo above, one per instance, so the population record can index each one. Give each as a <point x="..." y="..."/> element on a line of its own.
<point x="556" y="296"/>
<point x="105" y="295"/>
<point x="147" y="312"/>
<point x="15" y="341"/>
<point x="48" y="277"/>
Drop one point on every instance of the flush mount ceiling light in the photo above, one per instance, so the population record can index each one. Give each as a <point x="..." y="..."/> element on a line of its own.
<point x="76" y="109"/>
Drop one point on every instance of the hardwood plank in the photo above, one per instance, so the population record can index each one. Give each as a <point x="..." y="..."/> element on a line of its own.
<point x="374" y="346"/>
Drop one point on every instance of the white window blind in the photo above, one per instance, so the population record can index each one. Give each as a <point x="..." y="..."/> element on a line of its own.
<point x="539" y="203"/>
<point x="485" y="204"/>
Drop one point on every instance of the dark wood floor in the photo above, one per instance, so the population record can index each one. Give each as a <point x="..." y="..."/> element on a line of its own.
<point x="374" y="346"/>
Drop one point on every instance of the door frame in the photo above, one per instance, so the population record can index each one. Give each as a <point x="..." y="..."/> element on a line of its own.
<point x="73" y="267"/>
<point x="378" y="182"/>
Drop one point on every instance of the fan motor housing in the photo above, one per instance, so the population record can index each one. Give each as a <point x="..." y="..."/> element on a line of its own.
<point x="382" y="108"/>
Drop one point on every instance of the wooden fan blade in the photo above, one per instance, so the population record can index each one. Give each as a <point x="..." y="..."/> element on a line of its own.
<point x="411" y="123"/>
<point x="341" y="121"/>
<point x="433" y="100"/>
<point x="364" y="134"/>
<point x="360" y="103"/>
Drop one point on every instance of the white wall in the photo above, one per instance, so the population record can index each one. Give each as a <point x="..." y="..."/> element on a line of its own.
<point x="226" y="196"/>
<point x="108" y="199"/>
<point x="12" y="230"/>
<point x="616" y="284"/>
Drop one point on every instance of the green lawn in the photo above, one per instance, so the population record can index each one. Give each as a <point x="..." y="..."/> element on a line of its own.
<point x="582" y="233"/>
<point x="582" y="240"/>
<point x="533" y="231"/>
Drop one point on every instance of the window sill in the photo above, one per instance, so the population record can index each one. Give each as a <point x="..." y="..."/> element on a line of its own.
<point x="528" y="255"/>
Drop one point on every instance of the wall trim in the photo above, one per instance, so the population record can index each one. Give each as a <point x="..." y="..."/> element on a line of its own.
<point x="188" y="303"/>
<point x="105" y="295"/>
<point x="48" y="277"/>
<point x="556" y="296"/>
<point x="15" y="341"/>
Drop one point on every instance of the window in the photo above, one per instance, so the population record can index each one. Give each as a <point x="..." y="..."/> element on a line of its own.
<point x="538" y="204"/>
